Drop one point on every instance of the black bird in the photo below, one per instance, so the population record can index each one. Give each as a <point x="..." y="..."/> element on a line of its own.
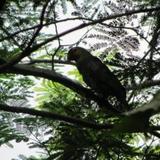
<point x="97" y="75"/>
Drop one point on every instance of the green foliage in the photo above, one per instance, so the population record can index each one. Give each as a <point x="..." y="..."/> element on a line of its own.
<point x="49" y="91"/>
<point x="76" y="75"/>
<point x="14" y="88"/>
<point x="117" y="42"/>
<point x="72" y="142"/>
<point x="55" y="97"/>
<point x="113" y="39"/>
<point x="8" y="134"/>
<point x="13" y="91"/>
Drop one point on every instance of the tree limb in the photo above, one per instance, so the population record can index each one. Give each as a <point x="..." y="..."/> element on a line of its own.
<point x="132" y="122"/>
<point x="137" y="120"/>
<point x="54" y="116"/>
<point x="56" y="77"/>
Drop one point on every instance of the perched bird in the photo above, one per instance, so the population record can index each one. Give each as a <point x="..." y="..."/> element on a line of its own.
<point x="97" y="75"/>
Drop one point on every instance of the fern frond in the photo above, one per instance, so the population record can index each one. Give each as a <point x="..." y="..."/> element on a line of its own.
<point x="98" y="36"/>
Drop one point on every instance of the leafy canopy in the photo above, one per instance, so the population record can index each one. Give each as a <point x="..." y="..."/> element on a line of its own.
<point x="43" y="99"/>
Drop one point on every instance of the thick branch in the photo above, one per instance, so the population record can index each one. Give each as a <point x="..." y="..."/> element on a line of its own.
<point x="146" y="84"/>
<point x="73" y="85"/>
<point x="133" y="121"/>
<point x="56" y="77"/>
<point x="137" y="120"/>
<point x="54" y="116"/>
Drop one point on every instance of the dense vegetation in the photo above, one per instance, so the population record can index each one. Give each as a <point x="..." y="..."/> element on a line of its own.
<point x="43" y="99"/>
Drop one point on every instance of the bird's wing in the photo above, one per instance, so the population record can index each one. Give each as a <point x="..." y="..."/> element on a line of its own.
<point x="99" y="77"/>
<point x="103" y="74"/>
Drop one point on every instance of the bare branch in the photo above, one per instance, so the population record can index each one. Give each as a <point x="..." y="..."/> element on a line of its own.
<point x="38" y="25"/>
<point x="50" y="61"/>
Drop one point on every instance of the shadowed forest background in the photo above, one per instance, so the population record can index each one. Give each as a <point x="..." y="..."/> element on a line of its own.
<point x="44" y="101"/>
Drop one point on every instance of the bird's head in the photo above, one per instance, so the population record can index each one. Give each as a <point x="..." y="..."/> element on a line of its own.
<point x="76" y="53"/>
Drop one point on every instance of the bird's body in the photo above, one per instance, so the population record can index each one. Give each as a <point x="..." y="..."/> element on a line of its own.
<point x="97" y="75"/>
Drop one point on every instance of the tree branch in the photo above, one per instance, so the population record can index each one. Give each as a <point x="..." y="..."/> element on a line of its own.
<point x="44" y="25"/>
<point x="54" y="116"/>
<point x="56" y="77"/>
<point x="28" y="51"/>
<point x="137" y="120"/>
<point x="39" y="27"/>
<point x="132" y="121"/>
<point x="73" y="85"/>
<point x="50" y="61"/>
